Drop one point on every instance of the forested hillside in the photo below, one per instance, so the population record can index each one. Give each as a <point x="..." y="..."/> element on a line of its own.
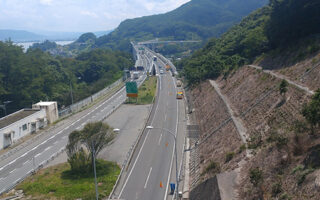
<point x="280" y="25"/>
<point x="27" y="78"/>
<point x="197" y="19"/>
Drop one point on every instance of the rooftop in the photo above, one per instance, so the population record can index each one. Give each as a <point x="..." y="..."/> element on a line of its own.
<point x="45" y="103"/>
<point x="14" y="117"/>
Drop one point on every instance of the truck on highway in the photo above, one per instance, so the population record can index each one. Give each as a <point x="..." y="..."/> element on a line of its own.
<point x="168" y="67"/>
<point x="179" y="83"/>
<point x="135" y="75"/>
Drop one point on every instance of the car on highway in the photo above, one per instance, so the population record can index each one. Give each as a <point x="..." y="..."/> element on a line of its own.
<point x="161" y="71"/>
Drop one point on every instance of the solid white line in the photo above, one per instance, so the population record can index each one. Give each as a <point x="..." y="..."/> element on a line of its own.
<point x="12" y="161"/>
<point x="23" y="155"/>
<point x="135" y="162"/>
<point x="160" y="139"/>
<point x="37" y="155"/>
<point x="47" y="148"/>
<point x="165" y="194"/>
<point x="145" y="185"/>
<point x="12" y="171"/>
<point x="34" y="148"/>
<point x="43" y="142"/>
<point x="25" y="162"/>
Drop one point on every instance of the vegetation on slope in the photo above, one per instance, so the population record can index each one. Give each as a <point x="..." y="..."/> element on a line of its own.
<point x="197" y="19"/>
<point x="59" y="182"/>
<point x="290" y="21"/>
<point x="27" y="78"/>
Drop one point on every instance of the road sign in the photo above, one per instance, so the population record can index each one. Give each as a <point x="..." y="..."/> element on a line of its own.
<point x="132" y="89"/>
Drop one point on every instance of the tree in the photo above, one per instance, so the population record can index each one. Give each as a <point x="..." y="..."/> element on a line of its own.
<point x="89" y="141"/>
<point x="283" y="88"/>
<point x="95" y="136"/>
<point x="311" y="111"/>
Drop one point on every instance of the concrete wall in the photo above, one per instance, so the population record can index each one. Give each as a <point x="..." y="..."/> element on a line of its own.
<point x="51" y="109"/>
<point x="79" y="105"/>
<point x="208" y="190"/>
<point x="17" y="131"/>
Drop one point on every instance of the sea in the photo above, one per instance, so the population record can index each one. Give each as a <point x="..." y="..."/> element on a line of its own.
<point x="26" y="45"/>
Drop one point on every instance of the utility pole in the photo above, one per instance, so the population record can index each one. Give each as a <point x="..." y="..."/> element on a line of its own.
<point x="94" y="170"/>
<point x="71" y="93"/>
<point x="4" y="107"/>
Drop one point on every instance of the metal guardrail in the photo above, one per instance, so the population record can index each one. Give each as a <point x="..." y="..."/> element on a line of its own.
<point x="132" y="149"/>
<point x="79" y="105"/>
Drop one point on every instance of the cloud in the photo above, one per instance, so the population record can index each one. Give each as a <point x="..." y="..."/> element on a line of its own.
<point x="77" y="15"/>
<point x="90" y="14"/>
<point x="46" y="2"/>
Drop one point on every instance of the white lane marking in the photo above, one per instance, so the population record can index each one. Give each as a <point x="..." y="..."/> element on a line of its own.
<point x="160" y="139"/>
<point x="56" y="142"/>
<point x="12" y="161"/>
<point x="145" y="185"/>
<point x="135" y="162"/>
<point x="83" y="123"/>
<point x="165" y="117"/>
<point x="25" y="162"/>
<point x="23" y="155"/>
<point x="12" y="171"/>
<point x="43" y="142"/>
<point x="37" y="155"/>
<point x="0" y="180"/>
<point x="47" y="148"/>
<point x="176" y="131"/>
<point x="17" y="180"/>
<point x="34" y="148"/>
<point x="64" y="137"/>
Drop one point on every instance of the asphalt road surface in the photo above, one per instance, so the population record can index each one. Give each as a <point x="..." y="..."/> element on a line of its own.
<point x="21" y="163"/>
<point x="152" y="166"/>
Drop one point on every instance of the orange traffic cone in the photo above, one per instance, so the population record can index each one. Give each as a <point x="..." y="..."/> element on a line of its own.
<point x="161" y="184"/>
<point x="167" y="144"/>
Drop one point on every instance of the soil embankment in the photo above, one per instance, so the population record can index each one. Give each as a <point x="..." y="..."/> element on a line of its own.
<point x="279" y="148"/>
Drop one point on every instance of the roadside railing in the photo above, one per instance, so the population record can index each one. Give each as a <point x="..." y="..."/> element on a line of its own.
<point x="85" y="102"/>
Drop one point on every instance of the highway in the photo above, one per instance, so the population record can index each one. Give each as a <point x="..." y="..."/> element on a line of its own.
<point x="21" y="163"/>
<point x="152" y="167"/>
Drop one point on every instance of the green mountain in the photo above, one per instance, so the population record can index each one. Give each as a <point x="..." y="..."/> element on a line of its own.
<point x="26" y="78"/>
<point x="276" y="27"/>
<point x="197" y="19"/>
<point x="20" y="35"/>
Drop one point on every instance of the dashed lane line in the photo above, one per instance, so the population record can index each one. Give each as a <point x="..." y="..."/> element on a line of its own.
<point x="145" y="185"/>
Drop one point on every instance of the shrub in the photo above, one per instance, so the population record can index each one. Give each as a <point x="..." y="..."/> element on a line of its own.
<point x="255" y="141"/>
<point x="284" y="196"/>
<point x="242" y="148"/>
<point x="283" y="87"/>
<point x="280" y="140"/>
<point x="213" y="167"/>
<point x="312" y="111"/>
<point x="276" y="189"/>
<point x="255" y="175"/>
<point x="229" y="156"/>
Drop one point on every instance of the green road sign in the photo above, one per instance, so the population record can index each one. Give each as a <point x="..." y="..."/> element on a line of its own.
<point x="131" y="87"/>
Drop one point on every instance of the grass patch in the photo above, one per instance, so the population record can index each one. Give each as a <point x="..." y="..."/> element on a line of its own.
<point x="58" y="182"/>
<point x="146" y="92"/>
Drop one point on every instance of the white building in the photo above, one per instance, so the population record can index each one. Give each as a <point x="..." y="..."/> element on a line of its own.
<point x="19" y="124"/>
<point x="51" y="109"/>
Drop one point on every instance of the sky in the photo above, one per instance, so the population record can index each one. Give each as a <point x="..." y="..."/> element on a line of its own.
<point x="77" y="15"/>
